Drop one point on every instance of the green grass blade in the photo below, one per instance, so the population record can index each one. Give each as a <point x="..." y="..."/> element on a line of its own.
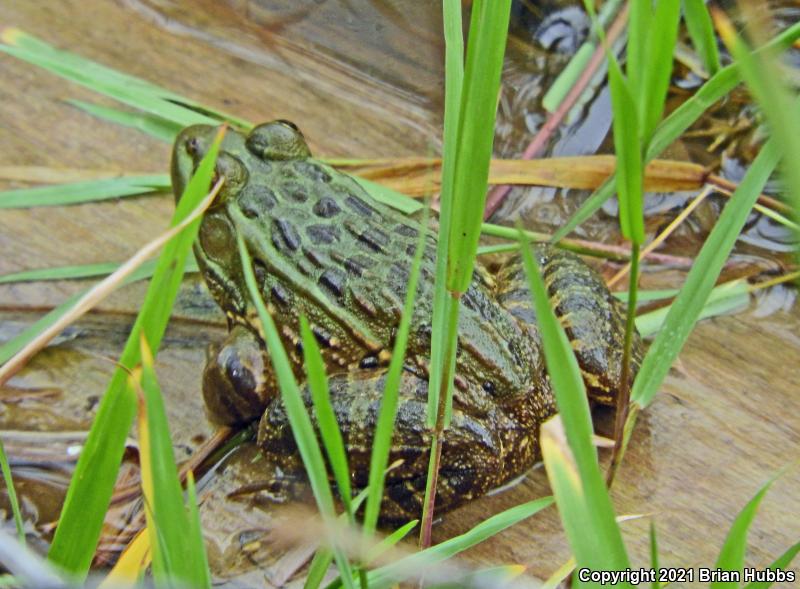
<point x="658" y="67"/>
<point x="782" y="563"/>
<point x="12" y="494"/>
<point x="629" y="155"/>
<point x="722" y="299"/>
<point x="701" y="31"/>
<point x="19" y="341"/>
<point x="146" y="123"/>
<point x="326" y="419"/>
<point x="454" y="80"/>
<point x="731" y="557"/>
<point x="675" y="124"/>
<point x="195" y="544"/>
<point x="86" y="271"/>
<point x="299" y="419"/>
<point x="687" y="306"/>
<point x="318" y="568"/>
<point x="573" y="406"/>
<point x="390" y="540"/>
<point x="392" y="198"/>
<point x="484" y="65"/>
<point x="92" y="483"/>
<point x="654" y="565"/>
<point x="173" y="562"/>
<point x="764" y="79"/>
<point x="82" y="192"/>
<point x="570" y="496"/>
<point x="640" y="28"/>
<point x="384" y="428"/>
<point x="409" y="566"/>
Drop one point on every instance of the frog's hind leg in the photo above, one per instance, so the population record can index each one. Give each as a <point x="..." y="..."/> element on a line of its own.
<point x="237" y="379"/>
<point x="474" y="455"/>
<point x="592" y="317"/>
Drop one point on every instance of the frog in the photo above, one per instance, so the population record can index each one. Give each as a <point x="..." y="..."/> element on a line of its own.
<point x="322" y="247"/>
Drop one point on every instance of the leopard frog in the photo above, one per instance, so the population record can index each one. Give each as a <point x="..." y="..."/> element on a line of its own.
<point x="323" y="248"/>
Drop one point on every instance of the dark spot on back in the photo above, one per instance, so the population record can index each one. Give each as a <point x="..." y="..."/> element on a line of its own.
<point x="295" y="192"/>
<point x="256" y="200"/>
<point x="374" y="238"/>
<point x="311" y="170"/>
<point x="280" y="294"/>
<point x="359" y="206"/>
<point x="323" y="233"/>
<point x="334" y="281"/>
<point x="326" y="208"/>
<point x="285" y="235"/>
<point x="322" y="336"/>
<point x="260" y="270"/>
<point x="406" y="230"/>
<point x="368" y="362"/>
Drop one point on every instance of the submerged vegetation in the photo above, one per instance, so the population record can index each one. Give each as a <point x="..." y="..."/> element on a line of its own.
<point x="581" y="493"/>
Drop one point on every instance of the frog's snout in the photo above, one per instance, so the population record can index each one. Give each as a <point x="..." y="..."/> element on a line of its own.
<point x="189" y="148"/>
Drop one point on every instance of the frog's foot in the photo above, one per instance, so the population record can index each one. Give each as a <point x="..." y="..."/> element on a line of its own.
<point x="592" y="317"/>
<point x="236" y="379"/>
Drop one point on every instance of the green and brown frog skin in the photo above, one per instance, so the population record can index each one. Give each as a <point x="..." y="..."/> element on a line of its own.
<point x="322" y="247"/>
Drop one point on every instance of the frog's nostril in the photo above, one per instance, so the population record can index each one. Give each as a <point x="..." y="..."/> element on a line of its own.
<point x="193" y="146"/>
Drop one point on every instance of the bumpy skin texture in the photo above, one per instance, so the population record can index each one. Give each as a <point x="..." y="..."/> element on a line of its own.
<point x="322" y="247"/>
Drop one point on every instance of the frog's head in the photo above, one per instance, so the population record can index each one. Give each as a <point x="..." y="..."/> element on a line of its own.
<point x="240" y="154"/>
<point x="248" y="163"/>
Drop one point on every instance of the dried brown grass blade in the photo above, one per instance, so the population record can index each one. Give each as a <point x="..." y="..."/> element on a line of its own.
<point x="100" y="291"/>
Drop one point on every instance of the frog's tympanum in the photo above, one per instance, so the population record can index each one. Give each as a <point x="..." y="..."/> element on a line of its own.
<point x="323" y="248"/>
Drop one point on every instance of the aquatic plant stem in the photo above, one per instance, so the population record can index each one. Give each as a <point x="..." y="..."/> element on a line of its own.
<point x="624" y="393"/>
<point x="539" y="141"/>
<point x="437" y="438"/>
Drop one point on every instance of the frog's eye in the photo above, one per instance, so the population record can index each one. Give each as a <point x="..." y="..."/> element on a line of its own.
<point x="278" y="140"/>
<point x="235" y="174"/>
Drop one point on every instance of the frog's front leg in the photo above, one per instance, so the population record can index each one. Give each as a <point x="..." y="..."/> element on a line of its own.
<point x="237" y="379"/>
<point x="474" y="456"/>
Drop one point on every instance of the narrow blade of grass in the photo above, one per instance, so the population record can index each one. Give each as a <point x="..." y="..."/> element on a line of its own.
<point x="570" y="496"/>
<point x="152" y="125"/>
<point x="92" y="483"/>
<point x="194" y="536"/>
<point x="573" y="406"/>
<point x="676" y="123"/>
<point x="701" y="31"/>
<point x="731" y="557"/>
<point x="384" y="428"/>
<point x="475" y="136"/>
<point x="629" y="155"/>
<point x="690" y="301"/>
<point x="654" y="565"/>
<point x="658" y="67"/>
<point x="86" y="271"/>
<point x="782" y="563"/>
<point x="12" y="494"/>
<point x="763" y="77"/>
<point x="326" y="419"/>
<point x="83" y="192"/>
<point x="299" y="419"/>
<point x="412" y="565"/>
<point x="722" y="299"/>
<point x="454" y="81"/>
<point x="175" y="557"/>
<point x="396" y="200"/>
<point x="131" y="565"/>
